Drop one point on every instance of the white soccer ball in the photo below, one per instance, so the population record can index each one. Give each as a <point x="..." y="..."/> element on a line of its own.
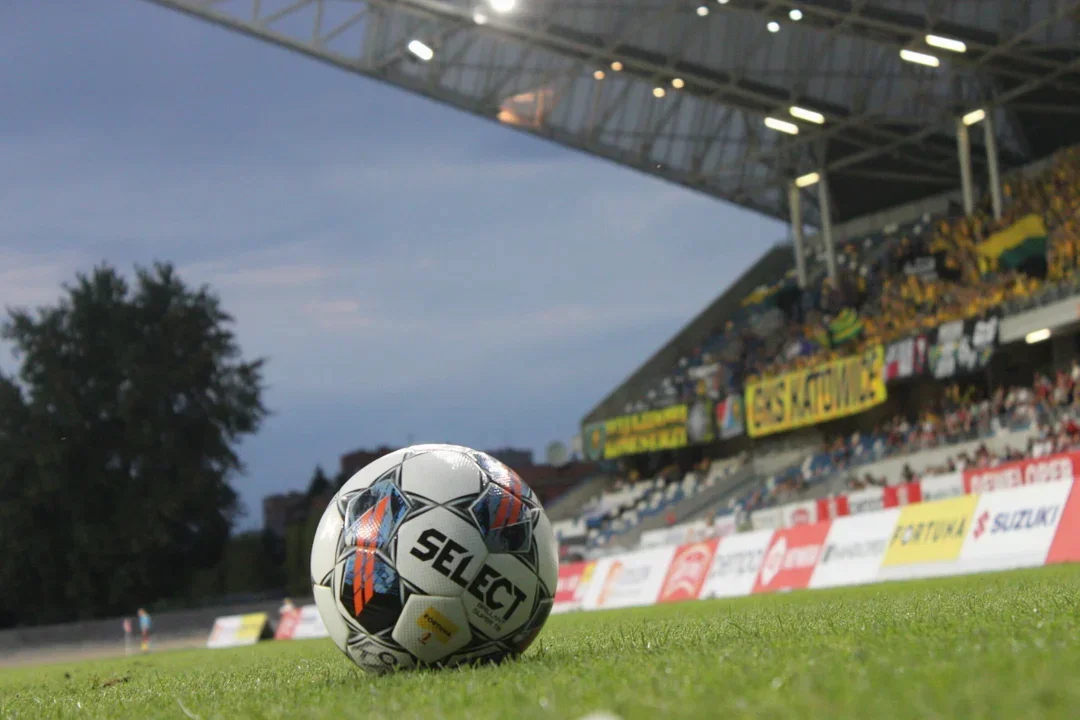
<point x="434" y="555"/>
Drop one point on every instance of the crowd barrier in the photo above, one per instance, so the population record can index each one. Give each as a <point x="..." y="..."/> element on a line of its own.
<point x="1020" y="515"/>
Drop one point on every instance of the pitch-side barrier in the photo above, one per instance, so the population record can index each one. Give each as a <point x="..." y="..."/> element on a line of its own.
<point x="1019" y="515"/>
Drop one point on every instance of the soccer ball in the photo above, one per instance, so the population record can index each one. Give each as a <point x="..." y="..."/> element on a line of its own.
<point x="434" y="555"/>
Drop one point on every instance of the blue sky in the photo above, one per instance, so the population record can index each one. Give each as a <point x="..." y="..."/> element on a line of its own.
<point x="410" y="271"/>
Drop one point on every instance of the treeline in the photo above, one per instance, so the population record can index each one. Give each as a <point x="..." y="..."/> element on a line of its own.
<point x="118" y="436"/>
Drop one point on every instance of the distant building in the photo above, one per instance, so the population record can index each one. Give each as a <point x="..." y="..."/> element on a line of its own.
<point x="351" y="462"/>
<point x="512" y="456"/>
<point x="280" y="510"/>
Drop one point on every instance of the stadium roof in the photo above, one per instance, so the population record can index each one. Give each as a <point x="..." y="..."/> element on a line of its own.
<point x="680" y="89"/>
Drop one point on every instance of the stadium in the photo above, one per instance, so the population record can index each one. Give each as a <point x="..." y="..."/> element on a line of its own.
<point x="845" y="488"/>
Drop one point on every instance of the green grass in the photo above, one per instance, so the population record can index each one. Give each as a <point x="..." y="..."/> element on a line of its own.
<point x="993" y="646"/>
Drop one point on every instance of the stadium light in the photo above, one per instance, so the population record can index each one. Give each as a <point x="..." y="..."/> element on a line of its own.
<point x="975" y="116"/>
<point x="702" y="11"/>
<point x="480" y="18"/>
<point x="807" y="115"/>
<point x="781" y="126"/>
<point x="616" y="66"/>
<point x="1037" y="336"/>
<point x="808" y="180"/>
<point x="599" y="74"/>
<point x="773" y="26"/>
<point x="678" y="83"/>
<point x="421" y="50"/>
<point x="659" y="92"/>
<point x="502" y="6"/>
<point x="944" y="43"/>
<point x="795" y="15"/>
<point x="723" y="2"/>
<point x="919" y="58"/>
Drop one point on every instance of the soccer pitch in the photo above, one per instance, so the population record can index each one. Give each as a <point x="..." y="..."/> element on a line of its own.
<point x="1004" y="645"/>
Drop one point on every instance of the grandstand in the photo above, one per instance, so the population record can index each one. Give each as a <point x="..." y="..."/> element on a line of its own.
<point x="919" y="151"/>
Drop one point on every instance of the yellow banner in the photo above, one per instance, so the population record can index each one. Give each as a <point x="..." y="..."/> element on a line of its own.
<point x="251" y="627"/>
<point x="648" y="431"/>
<point x="931" y="532"/>
<point x="824" y="392"/>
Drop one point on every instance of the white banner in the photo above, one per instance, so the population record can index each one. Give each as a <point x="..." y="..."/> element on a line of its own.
<point x="629" y="580"/>
<point x="854" y="549"/>
<point x="735" y="564"/>
<point x="864" y="501"/>
<point x="767" y="519"/>
<point x="310" y="625"/>
<point x="1014" y="528"/>
<point x="942" y="487"/>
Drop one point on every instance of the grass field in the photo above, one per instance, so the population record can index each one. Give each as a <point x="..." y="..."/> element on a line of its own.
<point x="995" y="646"/>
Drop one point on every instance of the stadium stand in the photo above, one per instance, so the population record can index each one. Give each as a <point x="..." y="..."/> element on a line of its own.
<point x="899" y="290"/>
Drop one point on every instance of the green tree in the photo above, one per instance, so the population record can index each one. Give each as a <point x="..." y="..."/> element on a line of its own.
<point x="319" y="484"/>
<point x="117" y="444"/>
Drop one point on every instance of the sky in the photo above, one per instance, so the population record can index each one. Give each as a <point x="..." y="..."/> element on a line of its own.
<point x="411" y="272"/>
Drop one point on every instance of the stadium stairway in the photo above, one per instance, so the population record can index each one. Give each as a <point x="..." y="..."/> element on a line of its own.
<point x="716" y="495"/>
<point x="569" y="504"/>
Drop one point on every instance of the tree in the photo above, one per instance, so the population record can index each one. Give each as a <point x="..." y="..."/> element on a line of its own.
<point x="319" y="484"/>
<point x="117" y="444"/>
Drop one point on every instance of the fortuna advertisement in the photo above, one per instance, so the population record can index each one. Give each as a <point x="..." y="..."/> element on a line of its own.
<point x="927" y="538"/>
<point x="824" y="392"/>
<point x="649" y="431"/>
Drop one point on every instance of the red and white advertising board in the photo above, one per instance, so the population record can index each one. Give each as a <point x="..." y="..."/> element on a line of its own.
<point x="790" y="560"/>
<point x="302" y="623"/>
<point x="863" y="501"/>
<point x="803" y="513"/>
<point x="1014" y="528"/>
<point x="687" y="572"/>
<point x="1066" y="544"/>
<point x="942" y="487"/>
<point x="1054" y="468"/>
<point x="735" y="564"/>
<point x="854" y="549"/>
<point x="573" y="582"/>
<point x="629" y="580"/>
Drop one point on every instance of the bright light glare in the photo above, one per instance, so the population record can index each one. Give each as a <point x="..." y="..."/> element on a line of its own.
<point x="774" y="27"/>
<point x="702" y="11"/>
<point x="599" y="74"/>
<point x="919" y="58"/>
<point x="479" y="18"/>
<point x="956" y="46"/>
<point x="975" y="116"/>
<point x="807" y="115"/>
<point x="502" y="6"/>
<point x="678" y="83"/>
<point x="808" y="180"/>
<point x="1037" y="336"/>
<point x="659" y="92"/>
<point x="795" y="15"/>
<point x="723" y="2"/>
<point x="421" y="50"/>
<point x="616" y="66"/>
<point x="781" y="126"/>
